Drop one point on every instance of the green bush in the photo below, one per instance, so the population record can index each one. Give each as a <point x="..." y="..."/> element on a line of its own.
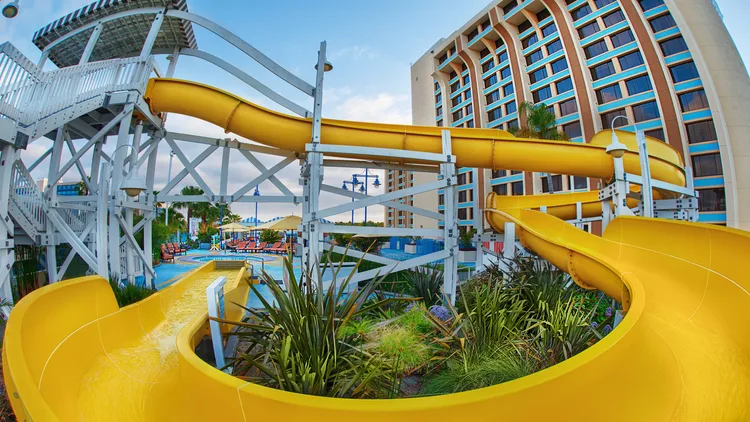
<point x="269" y="236"/>
<point x="127" y="293"/>
<point x="425" y="283"/>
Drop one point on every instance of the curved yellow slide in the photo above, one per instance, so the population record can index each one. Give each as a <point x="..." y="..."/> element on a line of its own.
<point x="680" y="353"/>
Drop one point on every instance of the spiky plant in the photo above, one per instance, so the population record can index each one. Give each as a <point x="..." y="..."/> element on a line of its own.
<point x="425" y="283"/>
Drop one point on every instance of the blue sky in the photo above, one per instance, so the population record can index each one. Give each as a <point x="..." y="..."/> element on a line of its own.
<point x="371" y="45"/>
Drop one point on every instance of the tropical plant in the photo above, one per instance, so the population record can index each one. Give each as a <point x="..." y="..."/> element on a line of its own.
<point x="564" y="331"/>
<point x="425" y="283"/>
<point x="540" y="123"/>
<point x="126" y="293"/>
<point x="465" y="239"/>
<point x="269" y="236"/>
<point x="207" y="212"/>
<point x="231" y="218"/>
<point x="298" y="342"/>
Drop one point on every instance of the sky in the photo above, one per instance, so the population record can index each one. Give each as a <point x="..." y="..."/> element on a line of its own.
<point x="371" y="45"/>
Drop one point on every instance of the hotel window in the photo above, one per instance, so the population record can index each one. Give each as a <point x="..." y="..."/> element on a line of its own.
<point x="443" y="58"/>
<point x="502" y="57"/>
<point x="638" y="85"/>
<point x="564" y="85"/>
<point x="534" y="57"/>
<point x="469" y="109"/>
<point x="684" y="72"/>
<point x="607" y="119"/>
<point x="613" y="18"/>
<point x="470" y="123"/>
<point x="526" y="42"/>
<point x="673" y="46"/>
<point x="473" y="34"/>
<point x="554" y="47"/>
<point x="492" y="96"/>
<point x="499" y="43"/>
<point x="466" y="80"/>
<point x="559" y="65"/>
<point x="712" y="200"/>
<point x="510" y="108"/>
<point x="516" y="188"/>
<point x="501" y="189"/>
<point x="701" y="131"/>
<point x="505" y="72"/>
<point x="437" y="86"/>
<point x="630" y="60"/>
<point x="507" y="90"/>
<point x="484" y="53"/>
<point x="492" y="80"/>
<point x="650" y="4"/>
<point x="465" y="195"/>
<point x="707" y="165"/>
<point x="463" y="67"/>
<point x="588" y="29"/>
<point x="645" y="111"/>
<point x="580" y="12"/>
<point x="455" y="100"/>
<point x="580" y="182"/>
<point x="458" y="115"/>
<point x="438" y="98"/>
<point x="622" y="38"/>
<point x="467" y="94"/>
<point x="602" y="71"/>
<point x="513" y="124"/>
<point x="601" y="3"/>
<point x="556" y="183"/>
<point x="694" y="100"/>
<point x="542" y="15"/>
<point x="441" y="199"/>
<point x="525" y="25"/>
<point x="455" y="86"/>
<point x="538" y="75"/>
<point x="465" y="213"/>
<point x="549" y="30"/>
<point x="656" y="133"/>
<point x="452" y="75"/>
<point x="439" y="111"/>
<point x="489" y="64"/>
<point x="610" y="93"/>
<point x="568" y="107"/>
<point x="495" y="114"/>
<point x="595" y="49"/>
<point x="440" y="123"/>
<point x="573" y="130"/>
<point x="510" y="6"/>
<point x="662" y="22"/>
<point x="497" y="173"/>
<point x="542" y="94"/>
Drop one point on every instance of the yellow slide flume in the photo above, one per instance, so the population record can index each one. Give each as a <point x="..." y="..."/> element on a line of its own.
<point x="680" y="353"/>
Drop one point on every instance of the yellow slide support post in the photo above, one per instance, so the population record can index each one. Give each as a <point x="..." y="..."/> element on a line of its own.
<point x="681" y="352"/>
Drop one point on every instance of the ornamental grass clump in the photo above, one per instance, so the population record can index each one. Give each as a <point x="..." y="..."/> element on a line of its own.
<point x="299" y="342"/>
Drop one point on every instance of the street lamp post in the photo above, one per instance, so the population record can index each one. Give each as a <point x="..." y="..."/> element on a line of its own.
<point x="363" y="186"/>
<point x="169" y="179"/>
<point x="256" y="193"/>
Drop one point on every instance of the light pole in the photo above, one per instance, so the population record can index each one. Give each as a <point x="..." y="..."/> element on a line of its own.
<point x="354" y="182"/>
<point x="131" y="185"/>
<point x="256" y="193"/>
<point x="363" y="186"/>
<point x="169" y="179"/>
<point x="617" y="150"/>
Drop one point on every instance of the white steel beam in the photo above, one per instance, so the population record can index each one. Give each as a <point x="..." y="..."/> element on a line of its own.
<point x="396" y="154"/>
<point x="39" y="160"/>
<point x="152" y="34"/>
<point x="401" y="265"/>
<point x="102" y="243"/>
<point x="233" y="143"/>
<point x="184" y="172"/>
<point x="266" y="173"/>
<point x="7" y="159"/>
<point x="51" y="195"/>
<point x="134" y="244"/>
<point x="190" y="167"/>
<point x="397" y="205"/>
<point x="380" y="165"/>
<point x="93" y="38"/>
<point x="380" y="231"/>
<point x="450" y="228"/>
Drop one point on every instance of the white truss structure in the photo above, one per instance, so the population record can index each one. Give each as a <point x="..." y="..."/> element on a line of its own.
<point x="95" y="100"/>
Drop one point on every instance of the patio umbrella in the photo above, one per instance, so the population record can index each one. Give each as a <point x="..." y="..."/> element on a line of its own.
<point x="234" y="228"/>
<point x="290" y="222"/>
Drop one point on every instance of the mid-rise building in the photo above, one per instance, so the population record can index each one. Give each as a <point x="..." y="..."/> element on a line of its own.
<point x="668" y="65"/>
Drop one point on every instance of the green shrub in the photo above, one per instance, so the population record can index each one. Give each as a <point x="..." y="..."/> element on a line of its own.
<point x="425" y="283"/>
<point x="127" y="293"/>
<point x="402" y="346"/>
<point x="300" y="343"/>
<point x="269" y="236"/>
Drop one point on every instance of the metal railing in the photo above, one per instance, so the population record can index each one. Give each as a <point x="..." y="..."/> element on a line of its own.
<point x="29" y="95"/>
<point x="25" y="194"/>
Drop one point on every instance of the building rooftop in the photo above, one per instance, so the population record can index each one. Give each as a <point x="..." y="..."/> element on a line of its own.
<point x="120" y="38"/>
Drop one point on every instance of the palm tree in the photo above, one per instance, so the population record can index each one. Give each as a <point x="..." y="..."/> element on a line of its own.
<point x="540" y="123"/>
<point x="191" y="207"/>
<point x="231" y="218"/>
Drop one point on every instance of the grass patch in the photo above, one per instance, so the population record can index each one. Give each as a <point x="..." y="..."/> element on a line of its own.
<point x="127" y="294"/>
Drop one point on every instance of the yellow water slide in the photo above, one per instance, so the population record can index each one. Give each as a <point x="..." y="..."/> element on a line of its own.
<point x="680" y="353"/>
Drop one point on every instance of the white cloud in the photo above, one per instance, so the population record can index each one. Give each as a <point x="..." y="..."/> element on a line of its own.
<point x="355" y="52"/>
<point x="381" y="108"/>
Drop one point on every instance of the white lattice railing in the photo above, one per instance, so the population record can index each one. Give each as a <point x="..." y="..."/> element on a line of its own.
<point x="29" y="95"/>
<point x="137" y="263"/>
<point x="26" y="195"/>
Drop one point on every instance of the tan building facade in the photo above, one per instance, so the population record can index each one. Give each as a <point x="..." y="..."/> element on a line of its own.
<point x="670" y="66"/>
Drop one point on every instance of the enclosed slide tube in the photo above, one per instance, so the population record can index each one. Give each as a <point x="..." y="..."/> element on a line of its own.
<point x="681" y="352"/>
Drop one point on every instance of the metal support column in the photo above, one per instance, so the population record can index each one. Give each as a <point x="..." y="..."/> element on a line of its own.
<point x="152" y="33"/>
<point x="151" y="201"/>
<point x="647" y="198"/>
<point x="93" y="38"/>
<point x="51" y="237"/>
<point x="129" y="252"/>
<point x="314" y="177"/>
<point x="102" y="245"/>
<point x="450" y="236"/>
<point x="478" y="221"/>
<point x="7" y="256"/>
<point x="118" y="160"/>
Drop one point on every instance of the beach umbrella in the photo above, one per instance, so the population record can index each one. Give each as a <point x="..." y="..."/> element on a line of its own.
<point x="290" y="222"/>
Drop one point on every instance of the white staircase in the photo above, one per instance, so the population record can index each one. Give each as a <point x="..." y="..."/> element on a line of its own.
<point x="26" y="205"/>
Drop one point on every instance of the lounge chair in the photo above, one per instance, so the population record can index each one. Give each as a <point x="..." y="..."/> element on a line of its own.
<point x="272" y="248"/>
<point x="260" y="247"/>
<point x="241" y="246"/>
<point x="170" y="249"/>
<point x="165" y="256"/>
<point x="245" y="246"/>
<point x="281" y="249"/>
<point x="178" y="249"/>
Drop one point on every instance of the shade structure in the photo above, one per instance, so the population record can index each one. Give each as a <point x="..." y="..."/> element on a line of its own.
<point x="290" y="222"/>
<point x="234" y="228"/>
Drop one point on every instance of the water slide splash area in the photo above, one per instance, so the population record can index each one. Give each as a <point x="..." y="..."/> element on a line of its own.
<point x="680" y="353"/>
